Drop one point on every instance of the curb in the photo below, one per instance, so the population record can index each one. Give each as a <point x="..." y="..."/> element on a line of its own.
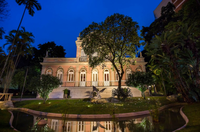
<point x="185" y="118"/>
<point x="91" y="116"/>
<point x="11" y="120"/>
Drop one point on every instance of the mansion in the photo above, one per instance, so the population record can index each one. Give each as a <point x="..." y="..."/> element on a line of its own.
<point x="75" y="73"/>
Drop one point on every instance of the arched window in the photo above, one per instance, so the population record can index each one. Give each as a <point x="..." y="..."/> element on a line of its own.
<point x="82" y="77"/>
<point x="117" y="76"/>
<point x="94" y="77"/>
<point x="106" y="78"/>
<point x="60" y="74"/>
<point x="49" y="71"/>
<point x="128" y="73"/>
<point x="71" y="75"/>
<point x="139" y="68"/>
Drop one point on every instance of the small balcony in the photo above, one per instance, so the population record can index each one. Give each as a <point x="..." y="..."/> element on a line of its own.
<point x="83" y="59"/>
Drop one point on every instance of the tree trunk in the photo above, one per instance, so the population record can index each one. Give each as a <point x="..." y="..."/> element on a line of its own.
<point x="165" y="93"/>
<point x="24" y="85"/>
<point x="12" y="43"/>
<point x="155" y="90"/>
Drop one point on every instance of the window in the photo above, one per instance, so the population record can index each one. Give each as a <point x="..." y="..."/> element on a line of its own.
<point x="117" y="76"/>
<point x="68" y="126"/>
<point x="94" y="126"/>
<point x="80" y="126"/>
<point x="71" y="75"/>
<point x="128" y="73"/>
<point x="49" y="71"/>
<point x="108" y="126"/>
<point x="60" y="74"/>
<point x="139" y="69"/>
<point x="54" y="125"/>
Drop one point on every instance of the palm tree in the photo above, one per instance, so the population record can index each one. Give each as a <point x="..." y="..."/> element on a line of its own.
<point x="30" y="5"/>
<point x="21" y="45"/>
<point x="20" y="48"/>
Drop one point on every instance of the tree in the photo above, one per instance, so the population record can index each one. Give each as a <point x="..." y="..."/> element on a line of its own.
<point x="178" y="51"/>
<point x="114" y="40"/>
<point x="21" y="47"/>
<point x="158" y="26"/>
<point x="140" y="80"/>
<point x="44" y="84"/>
<point x="3" y="14"/>
<point x="29" y="5"/>
<point x="53" y="51"/>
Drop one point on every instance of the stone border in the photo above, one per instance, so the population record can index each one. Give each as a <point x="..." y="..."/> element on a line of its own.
<point x="185" y="118"/>
<point x="11" y="121"/>
<point x="90" y="116"/>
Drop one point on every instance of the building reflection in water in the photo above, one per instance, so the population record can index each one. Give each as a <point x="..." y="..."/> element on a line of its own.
<point x="59" y="125"/>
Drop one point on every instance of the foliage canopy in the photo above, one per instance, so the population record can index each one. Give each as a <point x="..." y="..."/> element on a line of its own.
<point x="44" y="84"/>
<point x="114" y="40"/>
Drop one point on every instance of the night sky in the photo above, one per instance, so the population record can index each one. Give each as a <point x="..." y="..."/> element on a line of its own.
<point x="61" y="21"/>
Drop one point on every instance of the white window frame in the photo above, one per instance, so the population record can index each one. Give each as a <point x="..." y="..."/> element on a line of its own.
<point x="54" y="125"/>
<point x="117" y="76"/>
<point x="81" y="126"/>
<point x="83" y="78"/>
<point x="128" y="72"/>
<point x="108" y="126"/>
<point x="49" y="73"/>
<point x="68" y="126"/>
<point x="94" y="123"/>
<point x="70" y="77"/>
<point x="60" y="75"/>
<point x="94" y="77"/>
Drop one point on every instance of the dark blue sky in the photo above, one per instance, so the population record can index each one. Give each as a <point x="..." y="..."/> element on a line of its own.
<point x="62" y="20"/>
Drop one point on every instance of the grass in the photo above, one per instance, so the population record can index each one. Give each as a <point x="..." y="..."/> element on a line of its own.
<point x="4" y="121"/>
<point x="192" y="111"/>
<point x="78" y="106"/>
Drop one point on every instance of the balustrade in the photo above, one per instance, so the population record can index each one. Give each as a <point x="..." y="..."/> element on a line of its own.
<point x="6" y="96"/>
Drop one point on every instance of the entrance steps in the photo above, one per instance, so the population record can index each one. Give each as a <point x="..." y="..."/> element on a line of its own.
<point x="84" y="92"/>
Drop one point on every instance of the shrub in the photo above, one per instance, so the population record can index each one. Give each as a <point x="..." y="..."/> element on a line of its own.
<point x="126" y="92"/>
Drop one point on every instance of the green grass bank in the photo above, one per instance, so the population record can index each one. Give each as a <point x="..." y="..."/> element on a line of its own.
<point x="81" y="106"/>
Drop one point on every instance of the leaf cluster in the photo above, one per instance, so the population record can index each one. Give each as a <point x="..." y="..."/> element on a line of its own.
<point x="44" y="84"/>
<point x="140" y="80"/>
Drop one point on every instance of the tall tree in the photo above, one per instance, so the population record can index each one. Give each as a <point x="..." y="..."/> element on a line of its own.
<point x="30" y="5"/>
<point x="3" y="14"/>
<point x="53" y="51"/>
<point x="114" y="39"/>
<point x="22" y="47"/>
<point x="158" y="26"/>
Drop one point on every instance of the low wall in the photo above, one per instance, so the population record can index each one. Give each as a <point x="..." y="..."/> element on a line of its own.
<point x="84" y="92"/>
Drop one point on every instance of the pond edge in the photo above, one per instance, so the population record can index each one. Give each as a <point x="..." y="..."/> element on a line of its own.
<point x="92" y="116"/>
<point x="185" y="118"/>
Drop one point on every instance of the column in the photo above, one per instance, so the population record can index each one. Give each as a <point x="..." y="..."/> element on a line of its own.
<point x="77" y="80"/>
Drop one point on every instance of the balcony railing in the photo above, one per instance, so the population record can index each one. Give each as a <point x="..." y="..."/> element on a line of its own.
<point x="92" y="83"/>
<point x="6" y="96"/>
<point x="83" y="59"/>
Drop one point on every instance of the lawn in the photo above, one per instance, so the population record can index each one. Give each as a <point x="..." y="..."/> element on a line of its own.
<point x="79" y="106"/>
<point x="192" y="111"/>
<point x="4" y="121"/>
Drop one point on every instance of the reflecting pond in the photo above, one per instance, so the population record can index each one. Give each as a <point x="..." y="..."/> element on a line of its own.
<point x="169" y="120"/>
